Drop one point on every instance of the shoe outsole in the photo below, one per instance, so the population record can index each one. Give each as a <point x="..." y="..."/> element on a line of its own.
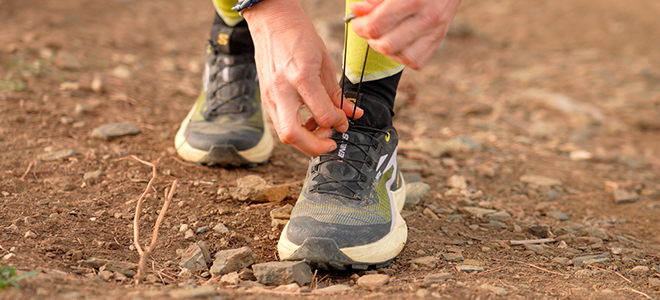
<point x="323" y="253"/>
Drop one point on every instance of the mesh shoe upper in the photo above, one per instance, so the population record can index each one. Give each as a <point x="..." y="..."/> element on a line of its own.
<point x="347" y="193"/>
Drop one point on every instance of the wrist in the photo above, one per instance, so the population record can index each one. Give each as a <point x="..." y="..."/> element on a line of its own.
<point x="273" y="12"/>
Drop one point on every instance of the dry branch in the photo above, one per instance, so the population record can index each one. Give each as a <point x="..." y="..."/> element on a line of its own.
<point x="536" y="241"/>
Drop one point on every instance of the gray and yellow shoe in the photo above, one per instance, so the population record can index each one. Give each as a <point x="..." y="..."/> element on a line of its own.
<point x="348" y="213"/>
<point x="226" y="125"/>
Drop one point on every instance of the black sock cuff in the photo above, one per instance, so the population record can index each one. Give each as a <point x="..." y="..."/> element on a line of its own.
<point x="231" y="39"/>
<point x="376" y="99"/>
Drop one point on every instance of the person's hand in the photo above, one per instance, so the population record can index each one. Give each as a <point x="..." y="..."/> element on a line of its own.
<point x="406" y="31"/>
<point x="295" y="69"/>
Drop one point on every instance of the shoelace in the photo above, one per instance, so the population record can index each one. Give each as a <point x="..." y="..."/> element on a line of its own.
<point x="355" y="163"/>
<point x="213" y="103"/>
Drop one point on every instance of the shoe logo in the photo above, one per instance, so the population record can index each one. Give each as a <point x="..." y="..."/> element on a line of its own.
<point x="351" y="99"/>
<point x="223" y="39"/>
<point x="342" y="147"/>
<point x="208" y="49"/>
<point x="387" y="136"/>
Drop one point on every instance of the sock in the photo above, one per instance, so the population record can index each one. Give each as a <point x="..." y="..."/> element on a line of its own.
<point x="231" y="40"/>
<point x="376" y="98"/>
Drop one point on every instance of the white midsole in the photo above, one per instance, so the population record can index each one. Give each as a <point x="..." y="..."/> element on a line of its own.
<point x="380" y="251"/>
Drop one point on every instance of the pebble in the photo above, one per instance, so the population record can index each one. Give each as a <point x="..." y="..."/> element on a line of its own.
<point x="592" y="259"/>
<point x="337" y="288"/>
<point x="43" y="202"/>
<point x="435" y="278"/>
<point x="65" y="60"/>
<point x="477" y="211"/>
<point x="623" y="196"/>
<point x="457" y="182"/>
<point x="221" y="228"/>
<point x="97" y="84"/>
<point x="113" y="130"/>
<point x="81" y="109"/>
<point x="426" y="262"/>
<point x="372" y="282"/>
<point x="198" y="292"/>
<point x="278" y="223"/>
<point x="595" y="232"/>
<point x="580" y="155"/>
<point x="126" y="268"/>
<point x="561" y="260"/>
<point x="230" y="279"/>
<point x="656" y="268"/>
<point x="538" y="249"/>
<point x="105" y="275"/>
<point x="497" y="290"/>
<point x="539" y="180"/>
<point x="485" y="171"/>
<point x="69" y="86"/>
<point x="583" y="273"/>
<point x="283" y="272"/>
<point x="8" y="256"/>
<point x="189" y="235"/>
<point x="196" y="257"/>
<point x="500" y="215"/>
<point x="30" y="235"/>
<point x="151" y="278"/>
<point x="283" y="212"/>
<point x="183" y="228"/>
<point x="470" y="268"/>
<point x="57" y="155"/>
<point x="485" y="204"/>
<point x="93" y="174"/>
<point x="255" y="188"/>
<point x="430" y="214"/>
<point x="201" y="230"/>
<point x="654" y="282"/>
<point x="639" y="269"/>
<point x="414" y="193"/>
<point x="288" y="288"/>
<point x="452" y="256"/>
<point x="559" y="215"/>
<point x="247" y="274"/>
<point x="423" y="293"/>
<point x="122" y="72"/>
<point x="233" y="260"/>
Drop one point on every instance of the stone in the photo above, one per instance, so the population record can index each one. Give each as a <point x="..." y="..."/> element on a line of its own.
<point x="559" y="215"/>
<point x="623" y="196"/>
<point x="654" y="282"/>
<point x="227" y="261"/>
<point x="485" y="204"/>
<point x="426" y="262"/>
<point x="70" y="86"/>
<point x="485" y="171"/>
<point x="449" y="256"/>
<point x="125" y="268"/>
<point x="538" y="249"/>
<point x="497" y="290"/>
<point x="561" y="260"/>
<point x="198" y="292"/>
<point x="278" y="223"/>
<point x="435" y="278"/>
<point x="595" y="232"/>
<point x="592" y="259"/>
<point x="539" y="180"/>
<point x="81" y="109"/>
<point x="611" y="186"/>
<point x="189" y="235"/>
<point x="221" y="228"/>
<point x="639" y="270"/>
<point x="457" y="182"/>
<point x="288" y="288"/>
<point x="580" y="155"/>
<point x="494" y="224"/>
<point x="230" y="279"/>
<point x="470" y="268"/>
<point x="105" y="275"/>
<point x="97" y="84"/>
<point x="247" y="274"/>
<point x="93" y="174"/>
<point x="113" y="130"/>
<point x="196" y="257"/>
<point x="283" y="212"/>
<point x="465" y="202"/>
<point x="372" y="282"/>
<point x="337" y="288"/>
<point x="30" y="235"/>
<point x="201" y="230"/>
<point x="256" y="189"/>
<point x="477" y="211"/>
<point x="583" y="273"/>
<point x="500" y="215"/>
<point x="430" y="214"/>
<point x="122" y="72"/>
<point x="65" y="60"/>
<point x="414" y="193"/>
<point x="283" y="272"/>
<point x="57" y="155"/>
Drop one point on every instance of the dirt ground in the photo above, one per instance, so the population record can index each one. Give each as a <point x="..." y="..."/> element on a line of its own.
<point x="567" y="89"/>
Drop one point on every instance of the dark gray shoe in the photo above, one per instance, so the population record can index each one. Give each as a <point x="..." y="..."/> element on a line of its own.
<point x="226" y="125"/>
<point x="348" y="213"/>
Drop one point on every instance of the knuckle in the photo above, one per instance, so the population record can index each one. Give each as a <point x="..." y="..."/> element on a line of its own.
<point x="326" y="119"/>
<point x="287" y="136"/>
<point x="371" y="30"/>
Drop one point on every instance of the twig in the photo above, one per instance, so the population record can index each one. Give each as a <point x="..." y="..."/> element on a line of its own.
<point x="536" y="241"/>
<point x="28" y="168"/>
<point x="636" y="292"/>
<point x="312" y="284"/>
<point x="615" y="272"/>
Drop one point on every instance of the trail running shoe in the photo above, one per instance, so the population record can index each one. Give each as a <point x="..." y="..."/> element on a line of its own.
<point x="348" y="213"/>
<point x="226" y="125"/>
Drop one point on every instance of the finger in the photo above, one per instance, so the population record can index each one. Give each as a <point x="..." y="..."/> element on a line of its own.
<point x="418" y="53"/>
<point x="364" y="7"/>
<point x="316" y="97"/>
<point x="292" y="132"/>
<point x="385" y="17"/>
<point x="334" y="92"/>
<point x="405" y="35"/>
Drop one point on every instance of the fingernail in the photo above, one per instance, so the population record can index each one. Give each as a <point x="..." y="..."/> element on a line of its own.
<point x="332" y="148"/>
<point x="342" y="128"/>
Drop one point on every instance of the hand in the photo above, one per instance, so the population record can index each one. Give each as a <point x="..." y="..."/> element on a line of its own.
<point x="295" y="69"/>
<point x="406" y="31"/>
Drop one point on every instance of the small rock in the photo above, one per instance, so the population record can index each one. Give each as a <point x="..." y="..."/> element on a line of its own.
<point x="30" y="235"/>
<point x="283" y="212"/>
<point x="69" y="86"/>
<point x="81" y="108"/>
<point x="223" y="194"/>
<point x="559" y="215"/>
<point x="67" y="61"/>
<point x="457" y="182"/>
<point x="654" y="282"/>
<point x="580" y="155"/>
<point x="497" y="290"/>
<point x="656" y="268"/>
<point x="97" y="84"/>
<point x="196" y="257"/>
<point x="247" y="274"/>
<point x="435" y="278"/>
<point x="283" y="272"/>
<point x="427" y="262"/>
<point x="105" y="275"/>
<point x="639" y="270"/>
<point x="278" y="223"/>
<point x="430" y="214"/>
<point x="595" y="232"/>
<point x="453" y="256"/>
<point x="561" y="260"/>
<point x="57" y="155"/>
<point x="288" y="288"/>
<point x="229" y="279"/>
<point x="592" y="259"/>
<point x="470" y="268"/>
<point x="465" y="202"/>
<point x="485" y="171"/>
<point x="540" y="231"/>
<point x="113" y="130"/>
<point x="43" y="202"/>
<point x="623" y="196"/>
<point x="337" y="288"/>
<point x="201" y="230"/>
<point x="414" y="193"/>
<point x="539" y="180"/>
<point x="221" y="228"/>
<point x="517" y="228"/>
<point x="255" y="188"/>
<point x="485" y="204"/>
<point x="189" y="235"/>
<point x="373" y="281"/>
<point x="122" y="72"/>
<point x="494" y="224"/>
<point x="477" y="211"/>
<point x="227" y="261"/>
<point x="198" y="292"/>
<point x="500" y="215"/>
<point x="8" y="256"/>
<point x="184" y="228"/>
<point x="93" y="174"/>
